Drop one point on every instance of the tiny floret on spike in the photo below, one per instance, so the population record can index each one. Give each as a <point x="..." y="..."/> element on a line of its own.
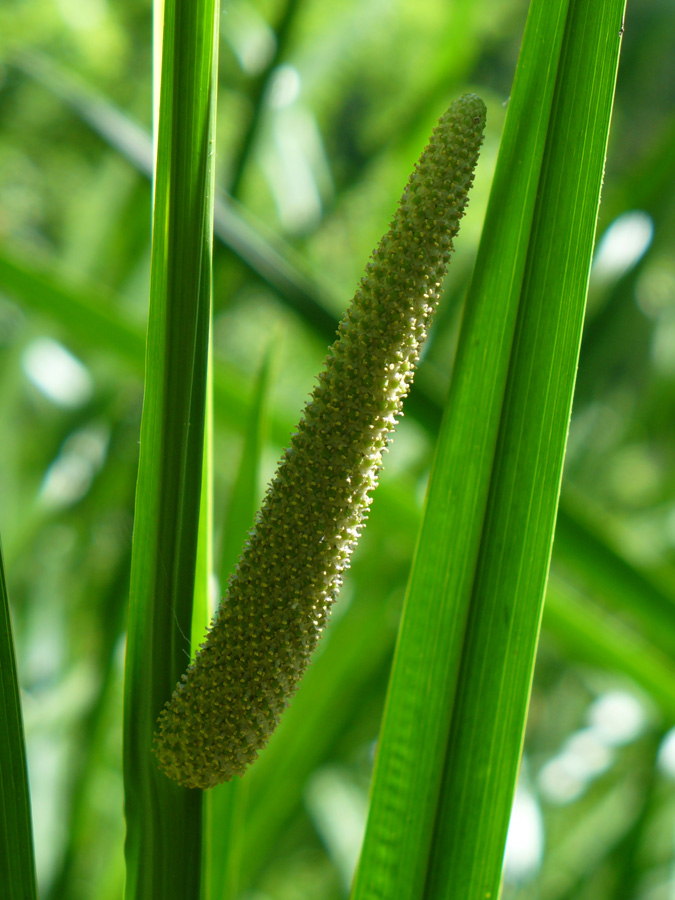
<point x="227" y="705"/>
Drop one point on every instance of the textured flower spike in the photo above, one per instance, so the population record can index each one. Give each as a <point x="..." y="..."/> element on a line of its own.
<point x="229" y="701"/>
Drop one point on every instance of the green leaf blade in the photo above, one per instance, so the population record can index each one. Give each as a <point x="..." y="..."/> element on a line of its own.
<point x="163" y="847"/>
<point x="500" y="644"/>
<point x="17" y="859"/>
<point x="495" y="486"/>
<point x="414" y="733"/>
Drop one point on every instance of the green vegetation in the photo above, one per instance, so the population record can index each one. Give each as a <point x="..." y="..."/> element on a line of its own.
<point x="321" y="112"/>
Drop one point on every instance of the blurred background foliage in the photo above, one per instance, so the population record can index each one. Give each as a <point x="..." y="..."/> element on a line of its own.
<point x="323" y="109"/>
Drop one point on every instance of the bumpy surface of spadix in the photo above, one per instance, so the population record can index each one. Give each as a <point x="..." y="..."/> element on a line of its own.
<point x="278" y="599"/>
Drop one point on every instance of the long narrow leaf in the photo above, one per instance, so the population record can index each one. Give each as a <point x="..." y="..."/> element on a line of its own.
<point x="415" y="729"/>
<point x="163" y="847"/>
<point x="17" y="861"/>
<point x="533" y="263"/>
<point x="500" y="645"/>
